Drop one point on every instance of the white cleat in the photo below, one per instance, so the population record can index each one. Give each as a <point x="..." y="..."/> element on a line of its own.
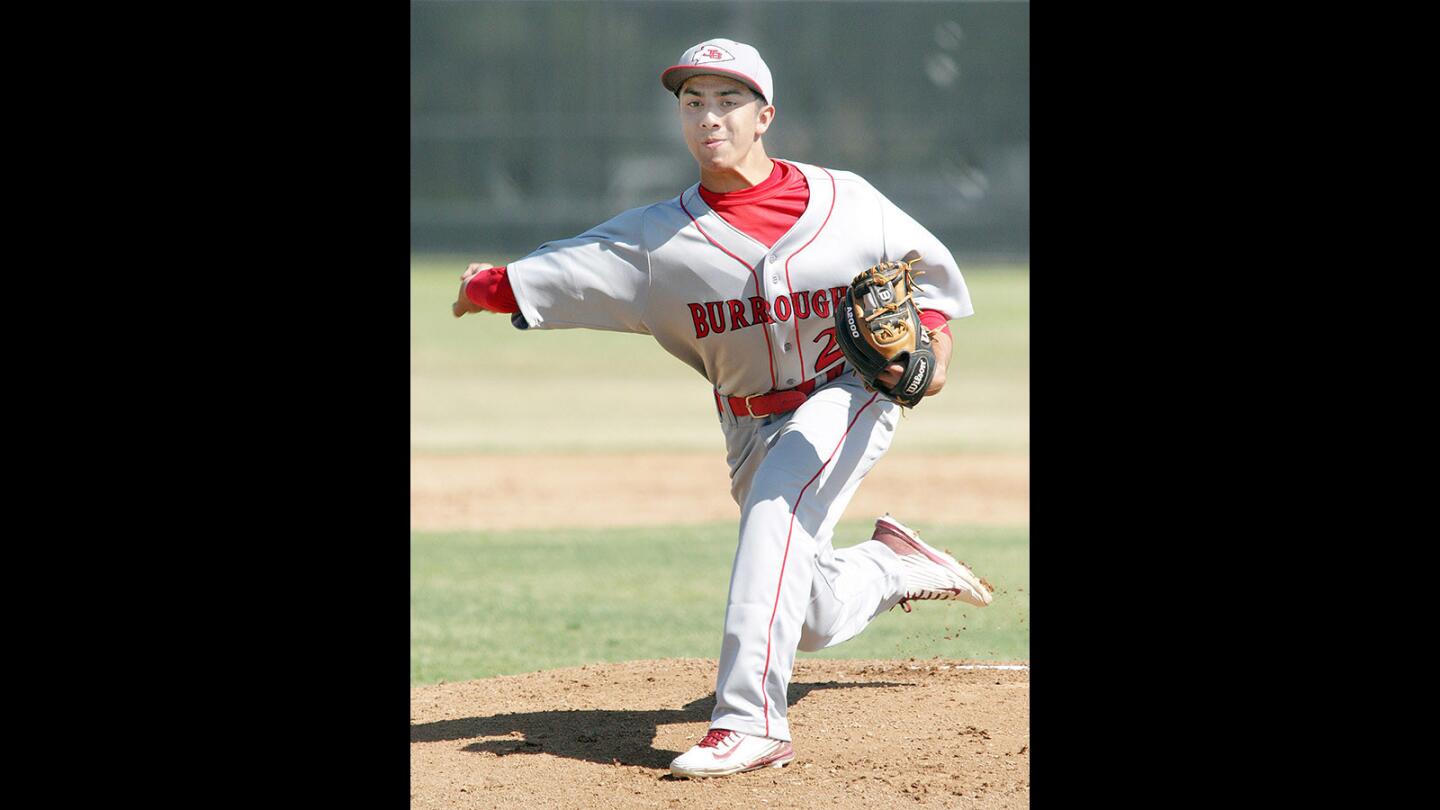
<point x="929" y="572"/>
<point x="724" y="752"/>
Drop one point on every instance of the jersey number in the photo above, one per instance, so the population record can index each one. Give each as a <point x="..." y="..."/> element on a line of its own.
<point x="830" y="353"/>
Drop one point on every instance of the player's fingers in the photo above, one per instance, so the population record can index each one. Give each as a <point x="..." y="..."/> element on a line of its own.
<point x="891" y="375"/>
<point x="473" y="270"/>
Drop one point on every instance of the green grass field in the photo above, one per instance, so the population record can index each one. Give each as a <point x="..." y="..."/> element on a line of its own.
<point x="498" y="603"/>
<point x="489" y="603"/>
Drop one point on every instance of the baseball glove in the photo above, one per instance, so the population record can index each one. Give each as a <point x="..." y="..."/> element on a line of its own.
<point x="878" y="324"/>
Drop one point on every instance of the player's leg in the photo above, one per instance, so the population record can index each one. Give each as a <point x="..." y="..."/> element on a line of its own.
<point x="854" y="585"/>
<point x="850" y="588"/>
<point x="807" y="463"/>
<point x="723" y="750"/>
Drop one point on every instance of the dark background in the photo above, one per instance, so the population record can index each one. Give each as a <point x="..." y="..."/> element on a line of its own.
<point x="533" y="121"/>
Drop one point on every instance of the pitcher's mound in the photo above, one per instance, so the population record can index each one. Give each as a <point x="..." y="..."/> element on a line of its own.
<point x="866" y="733"/>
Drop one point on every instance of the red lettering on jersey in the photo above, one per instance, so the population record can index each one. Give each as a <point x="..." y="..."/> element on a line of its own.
<point x="802" y="305"/>
<point x="762" y="309"/>
<point x="737" y="314"/>
<point x="711" y="317"/>
<point x="830" y="353"/>
<point x="782" y="307"/>
<point x="821" y="303"/>
<point x="698" y="313"/>
<point x="716" y="310"/>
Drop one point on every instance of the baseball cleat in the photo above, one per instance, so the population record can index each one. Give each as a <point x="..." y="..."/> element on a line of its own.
<point x="724" y="752"/>
<point x="929" y="572"/>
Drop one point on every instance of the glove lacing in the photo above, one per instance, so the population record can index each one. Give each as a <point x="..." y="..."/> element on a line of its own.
<point x="893" y="331"/>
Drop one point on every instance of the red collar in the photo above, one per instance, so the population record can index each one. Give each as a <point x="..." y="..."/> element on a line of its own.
<point x="778" y="181"/>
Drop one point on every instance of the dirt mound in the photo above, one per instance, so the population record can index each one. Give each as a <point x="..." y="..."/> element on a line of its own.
<point x="867" y="734"/>
<point x="663" y="489"/>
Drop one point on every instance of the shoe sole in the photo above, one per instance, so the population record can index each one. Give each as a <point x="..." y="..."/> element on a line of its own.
<point x="779" y="759"/>
<point x="937" y="556"/>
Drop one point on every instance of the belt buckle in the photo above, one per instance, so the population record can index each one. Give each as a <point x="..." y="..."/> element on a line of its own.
<point x="751" y="410"/>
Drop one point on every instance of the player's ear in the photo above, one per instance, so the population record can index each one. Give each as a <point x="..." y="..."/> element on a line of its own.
<point x="762" y="121"/>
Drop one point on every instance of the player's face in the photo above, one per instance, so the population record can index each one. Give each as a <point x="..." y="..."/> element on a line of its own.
<point x="721" y="120"/>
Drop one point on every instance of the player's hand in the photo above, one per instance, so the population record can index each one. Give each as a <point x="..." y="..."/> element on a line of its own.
<point x="941" y="344"/>
<point x="463" y="304"/>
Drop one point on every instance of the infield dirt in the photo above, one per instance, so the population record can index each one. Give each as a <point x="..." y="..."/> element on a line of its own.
<point x="500" y="492"/>
<point x="866" y="734"/>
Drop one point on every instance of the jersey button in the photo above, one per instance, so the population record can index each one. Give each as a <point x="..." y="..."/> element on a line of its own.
<point x="787" y="347"/>
<point x="790" y="381"/>
<point x="775" y="277"/>
<point x="774" y="258"/>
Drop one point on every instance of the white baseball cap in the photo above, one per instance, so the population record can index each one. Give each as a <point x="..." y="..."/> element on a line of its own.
<point x="722" y="57"/>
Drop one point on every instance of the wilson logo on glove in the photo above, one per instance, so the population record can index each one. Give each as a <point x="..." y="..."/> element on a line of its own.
<point x="919" y="378"/>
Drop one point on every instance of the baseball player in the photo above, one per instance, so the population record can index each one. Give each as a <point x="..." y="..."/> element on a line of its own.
<point x="739" y="276"/>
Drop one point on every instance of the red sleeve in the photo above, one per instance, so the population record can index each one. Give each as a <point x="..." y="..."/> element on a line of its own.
<point x="933" y="319"/>
<point x="491" y="289"/>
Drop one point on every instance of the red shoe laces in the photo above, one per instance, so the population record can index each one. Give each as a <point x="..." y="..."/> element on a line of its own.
<point x="921" y="596"/>
<point x="715" y="737"/>
<point x="905" y="601"/>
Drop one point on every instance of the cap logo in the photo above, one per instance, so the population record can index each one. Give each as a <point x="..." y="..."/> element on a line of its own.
<point x="711" y="53"/>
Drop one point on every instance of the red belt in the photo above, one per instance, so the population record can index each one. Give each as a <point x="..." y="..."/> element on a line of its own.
<point x="777" y="401"/>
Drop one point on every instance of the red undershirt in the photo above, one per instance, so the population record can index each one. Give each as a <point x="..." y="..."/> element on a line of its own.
<point x="764" y="212"/>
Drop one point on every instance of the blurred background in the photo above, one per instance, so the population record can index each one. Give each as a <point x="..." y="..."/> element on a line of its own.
<point x="535" y="120"/>
<point x="586" y="470"/>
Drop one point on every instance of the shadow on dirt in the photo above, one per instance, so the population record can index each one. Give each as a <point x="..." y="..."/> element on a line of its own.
<point x="607" y="736"/>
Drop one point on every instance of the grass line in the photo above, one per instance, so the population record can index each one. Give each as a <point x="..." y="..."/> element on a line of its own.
<point x="493" y="603"/>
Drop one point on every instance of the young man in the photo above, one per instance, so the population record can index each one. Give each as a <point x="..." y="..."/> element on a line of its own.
<point x="739" y="277"/>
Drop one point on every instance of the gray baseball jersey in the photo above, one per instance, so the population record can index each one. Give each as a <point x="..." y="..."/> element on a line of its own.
<point x="753" y="319"/>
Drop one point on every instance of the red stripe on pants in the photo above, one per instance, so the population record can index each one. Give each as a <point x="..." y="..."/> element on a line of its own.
<point x="769" y="630"/>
